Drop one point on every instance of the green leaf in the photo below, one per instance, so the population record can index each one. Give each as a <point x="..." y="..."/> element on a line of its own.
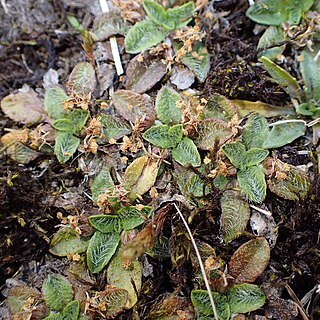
<point x="255" y="131"/>
<point x="219" y="107"/>
<point x="164" y="136"/>
<point x="189" y="182"/>
<point x="75" y="23"/>
<point x="113" y="127"/>
<point x="82" y="79"/>
<point x="212" y="133"/>
<point x="201" y="302"/>
<point x="102" y="247"/>
<point x="245" y="298"/>
<point x="131" y="217"/>
<point x="57" y="292"/>
<point x="284" y="133"/>
<point x="101" y="183"/>
<point x="282" y="78"/>
<point x="252" y="183"/>
<point x="255" y="156"/>
<point x="236" y="153"/>
<point x="63" y="124"/>
<point x="310" y="71"/>
<point x="79" y="118"/>
<point x="186" y="153"/>
<point x="167" y="111"/>
<point x="157" y="14"/>
<point x="66" y="241"/>
<point x="53" y="102"/>
<point x="54" y="316"/>
<point x="198" y="61"/>
<point x="250" y="260"/>
<point x="294" y="186"/>
<point x="66" y="145"/>
<point x="181" y="15"/>
<point x="272" y="36"/>
<point x="106" y="223"/>
<point x="128" y="278"/>
<point x="140" y="175"/>
<point x="235" y="215"/>
<point x="143" y="35"/>
<point x="71" y="310"/>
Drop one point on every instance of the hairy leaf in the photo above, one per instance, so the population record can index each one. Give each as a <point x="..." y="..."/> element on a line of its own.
<point x="66" y="145"/>
<point x="66" y="241"/>
<point x="255" y="156"/>
<point x="102" y="247"/>
<point x="310" y="71"/>
<point x="131" y="217"/>
<point x="219" y="107"/>
<point x="252" y="183"/>
<point x="71" y="310"/>
<point x="140" y="175"/>
<point x="113" y="127"/>
<point x="272" y="36"/>
<point x="106" y="223"/>
<point x="282" y="78"/>
<point x="57" y="292"/>
<point x="201" y="302"/>
<point x="157" y="14"/>
<point x="245" y="298"/>
<point x="250" y="260"/>
<point x="128" y="278"/>
<point x="82" y="80"/>
<point x="101" y="183"/>
<point x="235" y="215"/>
<point x="294" y="185"/>
<point x="143" y="35"/>
<point x="236" y="153"/>
<point x="181" y="15"/>
<point x="212" y="132"/>
<point x="63" y="124"/>
<point x="164" y="136"/>
<point x="198" y="61"/>
<point x="282" y="134"/>
<point x="186" y="153"/>
<point x="53" y="102"/>
<point x="255" y="131"/>
<point x="79" y="118"/>
<point x="167" y="111"/>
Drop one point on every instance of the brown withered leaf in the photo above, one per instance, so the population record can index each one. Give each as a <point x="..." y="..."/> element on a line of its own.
<point x="140" y="175"/>
<point x="143" y="72"/>
<point x="24" y="106"/>
<point x="250" y="260"/>
<point x="133" y="107"/>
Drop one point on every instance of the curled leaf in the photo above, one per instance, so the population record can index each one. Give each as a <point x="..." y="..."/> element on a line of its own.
<point x="250" y="260"/>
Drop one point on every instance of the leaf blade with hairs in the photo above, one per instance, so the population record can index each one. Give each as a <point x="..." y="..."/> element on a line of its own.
<point x="66" y="145"/>
<point x="186" y="153"/>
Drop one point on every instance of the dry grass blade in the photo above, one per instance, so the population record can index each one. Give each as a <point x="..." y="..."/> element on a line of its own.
<point x="206" y="281"/>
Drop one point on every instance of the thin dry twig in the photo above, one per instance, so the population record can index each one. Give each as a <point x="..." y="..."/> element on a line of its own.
<point x="113" y="42"/>
<point x="206" y="281"/>
<point x="297" y="302"/>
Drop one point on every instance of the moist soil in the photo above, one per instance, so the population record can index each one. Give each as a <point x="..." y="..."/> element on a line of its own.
<point x="36" y="37"/>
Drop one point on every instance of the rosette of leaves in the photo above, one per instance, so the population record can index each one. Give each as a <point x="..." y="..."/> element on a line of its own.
<point x="276" y="12"/>
<point x="159" y="23"/>
<point x="69" y="124"/>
